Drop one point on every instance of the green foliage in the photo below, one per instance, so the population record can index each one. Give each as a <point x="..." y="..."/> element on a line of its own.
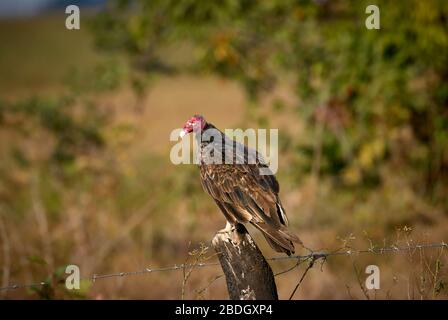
<point x="104" y="76"/>
<point x="55" y="116"/>
<point x="378" y="96"/>
<point x="54" y="287"/>
<point x="45" y="142"/>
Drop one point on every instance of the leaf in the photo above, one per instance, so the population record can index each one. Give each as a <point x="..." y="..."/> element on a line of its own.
<point x="37" y="260"/>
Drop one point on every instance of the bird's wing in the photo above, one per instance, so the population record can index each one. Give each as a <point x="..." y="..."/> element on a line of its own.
<point x="244" y="193"/>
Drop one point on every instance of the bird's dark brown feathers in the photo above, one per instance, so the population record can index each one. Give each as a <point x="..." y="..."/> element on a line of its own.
<point x="244" y="195"/>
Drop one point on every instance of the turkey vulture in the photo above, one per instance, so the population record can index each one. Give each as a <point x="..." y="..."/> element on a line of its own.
<point x="230" y="174"/>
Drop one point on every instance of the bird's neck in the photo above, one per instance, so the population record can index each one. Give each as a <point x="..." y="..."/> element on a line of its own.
<point x="210" y="141"/>
<point x="205" y="137"/>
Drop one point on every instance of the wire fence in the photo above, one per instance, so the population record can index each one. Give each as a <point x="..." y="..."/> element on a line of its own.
<point x="312" y="257"/>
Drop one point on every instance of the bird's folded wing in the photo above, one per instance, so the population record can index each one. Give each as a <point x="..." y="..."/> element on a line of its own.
<point x="244" y="192"/>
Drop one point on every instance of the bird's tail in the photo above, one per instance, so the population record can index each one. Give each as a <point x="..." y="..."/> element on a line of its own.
<point x="281" y="240"/>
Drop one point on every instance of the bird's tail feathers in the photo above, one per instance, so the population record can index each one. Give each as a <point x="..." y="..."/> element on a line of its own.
<point x="274" y="245"/>
<point x="281" y="240"/>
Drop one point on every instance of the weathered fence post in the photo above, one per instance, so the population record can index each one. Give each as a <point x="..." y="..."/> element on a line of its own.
<point x="248" y="275"/>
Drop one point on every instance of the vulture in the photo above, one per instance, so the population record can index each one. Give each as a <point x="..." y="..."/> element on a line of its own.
<point x="230" y="174"/>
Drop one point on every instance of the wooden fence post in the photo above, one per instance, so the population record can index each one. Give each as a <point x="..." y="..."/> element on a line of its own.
<point x="248" y="275"/>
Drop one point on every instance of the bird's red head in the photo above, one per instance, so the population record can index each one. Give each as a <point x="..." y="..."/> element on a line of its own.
<point x="196" y="123"/>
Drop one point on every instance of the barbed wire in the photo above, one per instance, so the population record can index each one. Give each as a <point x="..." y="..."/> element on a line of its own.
<point x="313" y="256"/>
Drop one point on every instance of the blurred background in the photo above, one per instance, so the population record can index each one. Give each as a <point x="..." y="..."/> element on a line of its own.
<point x="85" y="118"/>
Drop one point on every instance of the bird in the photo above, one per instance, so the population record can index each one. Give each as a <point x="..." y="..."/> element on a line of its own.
<point x="230" y="174"/>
